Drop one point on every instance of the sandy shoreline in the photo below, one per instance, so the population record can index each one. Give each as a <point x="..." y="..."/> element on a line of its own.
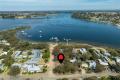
<point x="70" y="43"/>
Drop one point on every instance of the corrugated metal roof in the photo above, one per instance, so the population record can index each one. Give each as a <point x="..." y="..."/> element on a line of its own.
<point x="37" y="55"/>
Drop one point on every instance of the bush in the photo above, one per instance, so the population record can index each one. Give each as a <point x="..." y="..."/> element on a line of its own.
<point x="99" y="68"/>
<point x="65" y="68"/>
<point x="63" y="79"/>
<point x="91" y="78"/>
<point x="15" y="70"/>
<point x="46" y="56"/>
<point x="114" y="77"/>
<point x="8" y="61"/>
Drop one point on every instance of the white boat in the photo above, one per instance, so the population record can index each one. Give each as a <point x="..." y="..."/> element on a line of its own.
<point x="40" y="36"/>
<point x="22" y="31"/>
<point x="40" y="31"/>
<point x="55" y="37"/>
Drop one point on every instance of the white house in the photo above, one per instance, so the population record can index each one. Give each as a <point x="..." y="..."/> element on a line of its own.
<point x="84" y="65"/>
<point x="17" y="54"/>
<point x="73" y="60"/>
<point x="4" y="42"/>
<point x="17" y="64"/>
<point x="36" y="57"/>
<point x="83" y="50"/>
<point x="106" y="58"/>
<point x="32" y="65"/>
<point x="32" y="68"/>
<point x="107" y="54"/>
<point x="74" y="50"/>
<point x="103" y="62"/>
<point x="117" y="59"/>
<point x="3" y="53"/>
<point x="92" y="64"/>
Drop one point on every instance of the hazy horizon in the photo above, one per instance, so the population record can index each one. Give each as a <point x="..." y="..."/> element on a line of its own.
<point x="58" y="5"/>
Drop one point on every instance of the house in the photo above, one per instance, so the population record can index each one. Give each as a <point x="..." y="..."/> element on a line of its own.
<point x="92" y="64"/>
<point x="107" y="54"/>
<point x="106" y="58"/>
<point x="36" y="57"/>
<point x="112" y="62"/>
<point x="103" y="62"/>
<point x="74" y="51"/>
<point x="32" y="65"/>
<point x="3" y="53"/>
<point x="84" y="65"/>
<point x="4" y="42"/>
<point x="117" y="59"/>
<point x="25" y="54"/>
<point x="32" y="68"/>
<point x="83" y="50"/>
<point x="17" y="54"/>
<point x="17" y="64"/>
<point x="73" y="60"/>
<point x="1" y="64"/>
<point x="97" y="52"/>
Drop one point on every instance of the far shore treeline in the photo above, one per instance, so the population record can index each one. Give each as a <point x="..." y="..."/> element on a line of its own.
<point x="104" y="17"/>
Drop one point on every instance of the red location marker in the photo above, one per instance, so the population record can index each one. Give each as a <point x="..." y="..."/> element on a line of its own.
<point x="60" y="57"/>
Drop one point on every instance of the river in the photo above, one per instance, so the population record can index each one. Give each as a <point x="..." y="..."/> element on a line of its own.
<point x="61" y="27"/>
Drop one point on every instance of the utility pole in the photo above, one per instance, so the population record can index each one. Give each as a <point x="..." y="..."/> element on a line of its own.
<point x="67" y="41"/>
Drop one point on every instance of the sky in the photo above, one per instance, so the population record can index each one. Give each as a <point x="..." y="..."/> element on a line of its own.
<point x="44" y="5"/>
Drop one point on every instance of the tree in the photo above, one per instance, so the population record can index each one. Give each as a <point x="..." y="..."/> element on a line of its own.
<point x="46" y="56"/>
<point x="1" y="71"/>
<point x="114" y="77"/>
<point x="65" y="68"/>
<point x="15" y="70"/>
<point x="105" y="78"/>
<point x="8" y="61"/>
<point x="91" y="50"/>
<point x="99" y="68"/>
<point x="114" y="52"/>
<point x="29" y="53"/>
<point x="10" y="53"/>
<point x="86" y="56"/>
<point x="6" y="48"/>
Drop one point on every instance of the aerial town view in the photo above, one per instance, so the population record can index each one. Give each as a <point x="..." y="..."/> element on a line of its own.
<point x="59" y="40"/>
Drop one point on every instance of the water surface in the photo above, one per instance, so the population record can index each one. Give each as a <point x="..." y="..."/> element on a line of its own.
<point x="62" y="26"/>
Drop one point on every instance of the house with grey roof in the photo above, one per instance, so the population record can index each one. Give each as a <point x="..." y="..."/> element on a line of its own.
<point x="36" y="56"/>
<point x="32" y="65"/>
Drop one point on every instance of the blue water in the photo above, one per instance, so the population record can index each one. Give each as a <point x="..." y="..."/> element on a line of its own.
<point x="63" y="26"/>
